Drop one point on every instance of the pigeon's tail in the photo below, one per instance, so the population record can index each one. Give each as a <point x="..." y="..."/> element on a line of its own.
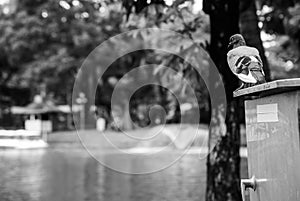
<point x="257" y="72"/>
<point x="258" y="75"/>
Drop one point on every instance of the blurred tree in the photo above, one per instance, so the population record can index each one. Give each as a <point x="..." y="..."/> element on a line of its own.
<point x="279" y="20"/>
<point x="46" y="41"/>
<point x="193" y="27"/>
<point x="251" y="32"/>
<point x="223" y="160"/>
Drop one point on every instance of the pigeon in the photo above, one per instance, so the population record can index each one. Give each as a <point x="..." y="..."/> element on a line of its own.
<point x="245" y="62"/>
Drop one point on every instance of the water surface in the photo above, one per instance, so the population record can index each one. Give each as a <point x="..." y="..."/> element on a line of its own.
<point x="69" y="173"/>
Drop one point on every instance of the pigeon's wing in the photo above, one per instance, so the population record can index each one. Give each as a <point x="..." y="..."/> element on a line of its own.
<point x="238" y="60"/>
<point x="260" y="63"/>
<point x="244" y="72"/>
<point x="242" y="64"/>
<point x="245" y="77"/>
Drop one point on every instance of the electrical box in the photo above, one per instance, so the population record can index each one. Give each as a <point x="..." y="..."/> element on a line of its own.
<point x="273" y="142"/>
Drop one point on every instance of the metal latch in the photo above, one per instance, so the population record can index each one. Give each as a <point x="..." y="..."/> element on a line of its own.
<point x="247" y="183"/>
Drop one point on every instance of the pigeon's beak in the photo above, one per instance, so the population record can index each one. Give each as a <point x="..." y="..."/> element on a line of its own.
<point x="230" y="45"/>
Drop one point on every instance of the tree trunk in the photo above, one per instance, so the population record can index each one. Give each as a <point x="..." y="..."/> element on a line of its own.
<point x="251" y="32"/>
<point x="224" y="139"/>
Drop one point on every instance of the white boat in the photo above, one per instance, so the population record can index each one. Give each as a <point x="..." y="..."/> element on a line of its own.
<point x="21" y="139"/>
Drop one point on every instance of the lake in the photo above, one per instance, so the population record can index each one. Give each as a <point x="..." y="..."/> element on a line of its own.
<point x="66" y="172"/>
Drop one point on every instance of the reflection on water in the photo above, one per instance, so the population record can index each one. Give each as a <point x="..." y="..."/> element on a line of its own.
<point x="70" y="174"/>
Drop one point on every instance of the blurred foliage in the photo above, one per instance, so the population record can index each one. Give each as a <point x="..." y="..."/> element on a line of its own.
<point x="194" y="36"/>
<point x="280" y="23"/>
<point x="45" y="42"/>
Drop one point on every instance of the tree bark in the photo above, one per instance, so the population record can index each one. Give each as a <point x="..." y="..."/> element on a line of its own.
<point x="224" y="139"/>
<point x="251" y="32"/>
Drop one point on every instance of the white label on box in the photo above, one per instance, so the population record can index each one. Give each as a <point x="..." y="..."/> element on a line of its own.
<point x="267" y="113"/>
